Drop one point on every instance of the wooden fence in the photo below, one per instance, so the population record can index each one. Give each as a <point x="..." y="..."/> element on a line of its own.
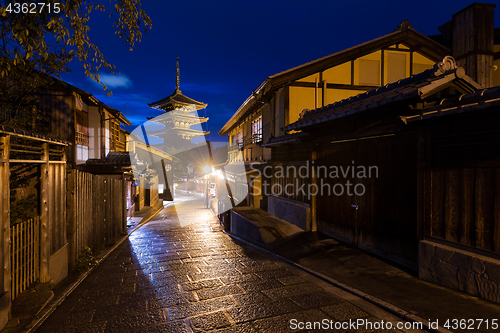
<point x="25" y="255"/>
<point x="97" y="211"/>
<point x="463" y="206"/>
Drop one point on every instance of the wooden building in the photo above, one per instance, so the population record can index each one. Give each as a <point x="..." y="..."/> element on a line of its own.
<point x="363" y="190"/>
<point x="34" y="251"/>
<point x="72" y="114"/>
<point x="424" y="161"/>
<point x="283" y="97"/>
<point x="72" y="209"/>
<point x="410" y="171"/>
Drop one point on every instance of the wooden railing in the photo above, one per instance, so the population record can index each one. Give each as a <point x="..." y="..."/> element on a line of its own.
<point x="118" y="145"/>
<point x="254" y="138"/>
<point x="25" y="255"/>
<point x="235" y="147"/>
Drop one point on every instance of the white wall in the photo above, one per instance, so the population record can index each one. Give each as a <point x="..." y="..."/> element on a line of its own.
<point x="94" y="132"/>
<point x="82" y="154"/>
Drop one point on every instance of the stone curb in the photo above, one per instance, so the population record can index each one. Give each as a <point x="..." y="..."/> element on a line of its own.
<point x="45" y="313"/>
<point x="374" y="300"/>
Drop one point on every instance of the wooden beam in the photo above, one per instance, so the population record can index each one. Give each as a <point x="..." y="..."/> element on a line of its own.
<point x="5" y="215"/>
<point x="438" y="191"/>
<point x="36" y="161"/>
<point x="451" y="203"/>
<point x="314" y="182"/>
<point x="484" y="208"/>
<point x="25" y="136"/>
<point x="467" y="203"/>
<point x="352" y="86"/>
<point x="496" y="213"/>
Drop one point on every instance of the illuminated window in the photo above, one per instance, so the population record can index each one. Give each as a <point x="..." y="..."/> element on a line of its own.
<point x="238" y="138"/>
<point x="257" y="130"/>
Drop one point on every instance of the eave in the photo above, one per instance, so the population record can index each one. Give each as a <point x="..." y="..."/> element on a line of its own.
<point x="168" y="102"/>
<point x="423" y="87"/>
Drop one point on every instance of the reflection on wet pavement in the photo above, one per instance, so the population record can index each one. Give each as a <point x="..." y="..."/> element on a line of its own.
<point x="180" y="273"/>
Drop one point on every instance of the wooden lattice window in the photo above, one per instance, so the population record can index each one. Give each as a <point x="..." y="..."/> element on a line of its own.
<point x="82" y="128"/>
<point x="117" y="145"/>
<point x="257" y="130"/>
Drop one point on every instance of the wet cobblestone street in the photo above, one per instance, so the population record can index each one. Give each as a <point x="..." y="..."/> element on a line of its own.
<point x="181" y="273"/>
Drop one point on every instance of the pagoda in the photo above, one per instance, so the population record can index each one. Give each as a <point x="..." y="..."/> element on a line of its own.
<point x="180" y="114"/>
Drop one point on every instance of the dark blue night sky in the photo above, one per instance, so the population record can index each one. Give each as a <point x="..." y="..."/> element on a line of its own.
<point x="227" y="48"/>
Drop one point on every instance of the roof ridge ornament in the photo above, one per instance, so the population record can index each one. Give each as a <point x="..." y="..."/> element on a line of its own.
<point x="446" y="64"/>
<point x="405" y="24"/>
<point x="177" y="89"/>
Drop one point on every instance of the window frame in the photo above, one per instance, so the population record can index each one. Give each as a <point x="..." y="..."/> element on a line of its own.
<point x="256" y="130"/>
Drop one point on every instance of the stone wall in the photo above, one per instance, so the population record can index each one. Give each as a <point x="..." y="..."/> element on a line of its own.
<point x="297" y="213"/>
<point x="260" y="227"/>
<point x="58" y="265"/>
<point x="473" y="273"/>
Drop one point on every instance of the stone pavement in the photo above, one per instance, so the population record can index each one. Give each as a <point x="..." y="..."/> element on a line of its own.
<point x="181" y="273"/>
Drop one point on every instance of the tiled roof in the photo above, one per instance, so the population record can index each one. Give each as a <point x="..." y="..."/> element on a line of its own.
<point x="416" y="86"/>
<point x="31" y="135"/>
<point x="92" y="99"/>
<point x="482" y="99"/>
<point x="178" y="97"/>
<point x="288" y="138"/>
<point x="113" y="158"/>
<point x="118" y="157"/>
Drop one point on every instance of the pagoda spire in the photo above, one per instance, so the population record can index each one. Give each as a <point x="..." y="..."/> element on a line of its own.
<point x="177" y="89"/>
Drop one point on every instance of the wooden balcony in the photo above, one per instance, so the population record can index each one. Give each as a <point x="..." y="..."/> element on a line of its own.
<point x="234" y="148"/>
<point x="119" y="146"/>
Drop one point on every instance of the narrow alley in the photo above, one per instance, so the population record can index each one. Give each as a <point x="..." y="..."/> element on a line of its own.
<point x="181" y="273"/>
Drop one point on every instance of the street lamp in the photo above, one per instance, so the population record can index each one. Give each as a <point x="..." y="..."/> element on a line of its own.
<point x="207" y="169"/>
<point x="207" y="176"/>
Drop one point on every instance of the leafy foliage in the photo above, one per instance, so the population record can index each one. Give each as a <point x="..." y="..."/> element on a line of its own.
<point x="36" y="46"/>
<point x="23" y="209"/>
<point x="85" y="261"/>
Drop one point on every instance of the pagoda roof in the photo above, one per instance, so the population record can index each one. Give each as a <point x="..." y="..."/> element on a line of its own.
<point x="186" y="134"/>
<point x="178" y="115"/>
<point x="175" y="101"/>
<point x="159" y="133"/>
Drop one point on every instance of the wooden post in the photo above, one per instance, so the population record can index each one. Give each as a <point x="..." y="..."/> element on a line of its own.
<point x="314" y="183"/>
<point x="316" y="94"/>
<point x="63" y="183"/>
<point x="423" y="183"/>
<point x="5" y="214"/>
<point x="44" y="217"/>
<point x="124" y="204"/>
<point x="71" y="217"/>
